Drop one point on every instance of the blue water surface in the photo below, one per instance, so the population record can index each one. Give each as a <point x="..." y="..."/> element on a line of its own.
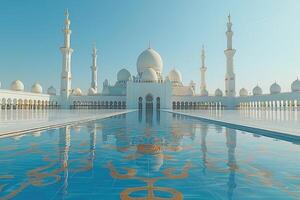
<point x="153" y="155"/>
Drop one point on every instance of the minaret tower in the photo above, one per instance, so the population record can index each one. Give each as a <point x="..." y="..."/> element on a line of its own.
<point x="203" y="91"/>
<point x="229" y="53"/>
<point x="66" y="50"/>
<point x="94" y="83"/>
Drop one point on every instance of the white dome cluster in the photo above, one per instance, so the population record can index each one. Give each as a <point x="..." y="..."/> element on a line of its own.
<point x="175" y="76"/>
<point x="243" y="92"/>
<point x="295" y="87"/>
<point x="275" y="88"/>
<point x="149" y="59"/>
<point x="257" y="90"/>
<point x="77" y="92"/>
<point x="149" y="75"/>
<point x="51" y="90"/>
<point x="218" y="93"/>
<point x="123" y="75"/>
<point x="17" y="85"/>
<point x="37" y="88"/>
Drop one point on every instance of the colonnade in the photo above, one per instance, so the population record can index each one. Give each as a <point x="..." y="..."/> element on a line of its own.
<point x="270" y="104"/>
<point x="185" y="105"/>
<point x="6" y="104"/>
<point x="98" y="105"/>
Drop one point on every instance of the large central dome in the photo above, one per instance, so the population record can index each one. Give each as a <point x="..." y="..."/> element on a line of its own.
<point x="149" y="59"/>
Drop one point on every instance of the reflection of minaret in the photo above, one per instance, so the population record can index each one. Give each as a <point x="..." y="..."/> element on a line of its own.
<point x="64" y="147"/>
<point x="203" y="132"/>
<point x="149" y="116"/>
<point x="229" y="53"/>
<point x="203" y="91"/>
<point x="66" y="50"/>
<point x="94" y="83"/>
<point x="231" y="144"/>
<point x="93" y="136"/>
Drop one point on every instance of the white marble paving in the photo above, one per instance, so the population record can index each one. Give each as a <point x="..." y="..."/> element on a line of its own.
<point x="283" y="121"/>
<point x="16" y="121"/>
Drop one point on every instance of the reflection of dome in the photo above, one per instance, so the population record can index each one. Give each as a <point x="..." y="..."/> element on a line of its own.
<point x="175" y="76"/>
<point x="148" y="148"/>
<point x="149" y="75"/>
<point x="17" y="85"/>
<point x="218" y="92"/>
<point x="77" y="128"/>
<point x="36" y="88"/>
<point x="149" y="59"/>
<point x="275" y="88"/>
<point x="51" y="90"/>
<point x="77" y="92"/>
<point x="151" y="157"/>
<point x="92" y="91"/>
<point x="296" y="86"/>
<point x="123" y="75"/>
<point x="257" y="90"/>
<point x="243" y="92"/>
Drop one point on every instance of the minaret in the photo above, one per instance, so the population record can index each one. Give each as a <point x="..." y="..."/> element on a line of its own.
<point x="66" y="50"/>
<point x="229" y="53"/>
<point x="203" y="91"/>
<point x="94" y="83"/>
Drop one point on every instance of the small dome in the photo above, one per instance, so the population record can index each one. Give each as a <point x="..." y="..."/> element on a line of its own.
<point x="123" y="75"/>
<point x="51" y="91"/>
<point x="17" y="85"/>
<point x="243" y="92"/>
<point x="149" y="59"/>
<point x="77" y="92"/>
<point x="275" y="88"/>
<point x="92" y="91"/>
<point x="175" y="76"/>
<point x="37" y="88"/>
<point x="149" y="75"/>
<point x="296" y="86"/>
<point x="204" y="92"/>
<point x="218" y="92"/>
<point x="257" y="90"/>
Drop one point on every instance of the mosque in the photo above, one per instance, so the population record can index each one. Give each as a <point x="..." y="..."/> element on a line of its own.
<point x="148" y="88"/>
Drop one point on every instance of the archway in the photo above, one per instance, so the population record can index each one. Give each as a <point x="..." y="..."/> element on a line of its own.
<point x="157" y="103"/>
<point x="140" y="103"/>
<point x="149" y="101"/>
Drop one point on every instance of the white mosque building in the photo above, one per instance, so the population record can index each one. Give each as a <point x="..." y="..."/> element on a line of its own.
<point x="148" y="88"/>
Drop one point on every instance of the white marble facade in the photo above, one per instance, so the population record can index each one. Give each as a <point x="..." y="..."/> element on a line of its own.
<point x="148" y="87"/>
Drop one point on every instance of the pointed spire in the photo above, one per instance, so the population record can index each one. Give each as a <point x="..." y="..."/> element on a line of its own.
<point x="94" y="49"/>
<point x="67" y="14"/>
<point x="229" y="18"/>
<point x="149" y="44"/>
<point x="203" y="50"/>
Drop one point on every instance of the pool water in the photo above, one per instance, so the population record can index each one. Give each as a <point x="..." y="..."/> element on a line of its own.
<point x="153" y="155"/>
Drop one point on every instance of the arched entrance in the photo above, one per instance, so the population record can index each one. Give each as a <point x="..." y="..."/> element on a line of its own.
<point x="149" y="101"/>
<point x="140" y="103"/>
<point x="157" y="103"/>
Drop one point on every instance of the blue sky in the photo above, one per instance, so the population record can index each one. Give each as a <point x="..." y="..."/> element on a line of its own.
<point x="266" y="36"/>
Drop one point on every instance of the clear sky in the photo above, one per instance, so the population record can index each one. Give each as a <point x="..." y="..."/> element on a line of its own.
<point x="266" y="36"/>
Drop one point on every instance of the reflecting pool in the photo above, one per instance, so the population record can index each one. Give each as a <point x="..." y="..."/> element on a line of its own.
<point x="153" y="155"/>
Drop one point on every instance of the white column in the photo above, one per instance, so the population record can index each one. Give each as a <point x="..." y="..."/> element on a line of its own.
<point x="94" y="83"/>
<point x="66" y="76"/>
<point x="229" y="53"/>
<point x="203" y="91"/>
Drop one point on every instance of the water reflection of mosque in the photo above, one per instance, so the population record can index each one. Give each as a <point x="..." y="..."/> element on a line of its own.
<point x="124" y="140"/>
